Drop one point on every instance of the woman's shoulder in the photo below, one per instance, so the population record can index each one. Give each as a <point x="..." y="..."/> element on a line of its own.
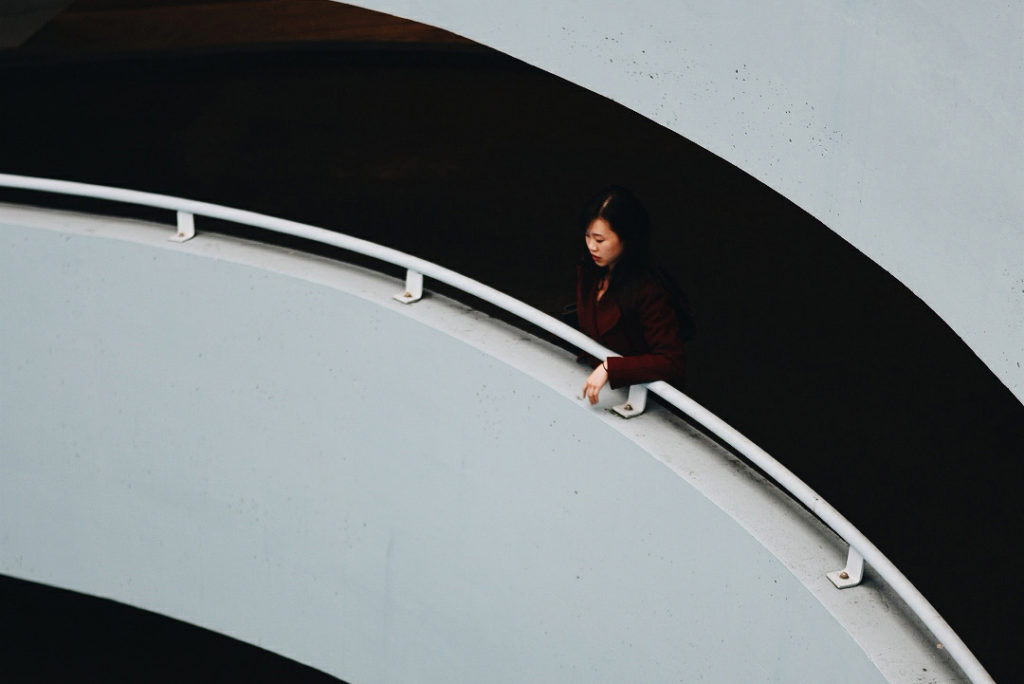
<point x="649" y="281"/>
<point x="655" y="287"/>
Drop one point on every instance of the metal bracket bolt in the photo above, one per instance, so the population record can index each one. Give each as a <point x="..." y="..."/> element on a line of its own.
<point x="413" y="288"/>
<point x="852" y="574"/>
<point x="186" y="227"/>
<point x="635" y="404"/>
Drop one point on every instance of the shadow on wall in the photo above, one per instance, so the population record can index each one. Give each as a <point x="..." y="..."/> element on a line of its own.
<point x="477" y="162"/>
<point x="54" y="635"/>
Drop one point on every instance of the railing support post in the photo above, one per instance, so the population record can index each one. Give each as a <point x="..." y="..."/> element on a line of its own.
<point x="852" y="574"/>
<point x="186" y="227"/>
<point x="413" y="288"/>
<point x="635" y="404"/>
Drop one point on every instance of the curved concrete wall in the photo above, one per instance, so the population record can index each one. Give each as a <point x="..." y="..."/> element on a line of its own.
<point x="266" y="445"/>
<point x="899" y="126"/>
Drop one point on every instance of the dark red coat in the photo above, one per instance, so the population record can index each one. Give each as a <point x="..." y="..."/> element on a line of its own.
<point x="646" y="333"/>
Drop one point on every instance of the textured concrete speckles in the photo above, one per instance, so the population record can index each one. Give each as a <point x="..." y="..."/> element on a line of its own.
<point x="311" y="288"/>
<point x="791" y="94"/>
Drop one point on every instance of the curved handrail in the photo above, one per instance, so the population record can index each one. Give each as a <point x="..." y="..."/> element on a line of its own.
<point x="799" y="490"/>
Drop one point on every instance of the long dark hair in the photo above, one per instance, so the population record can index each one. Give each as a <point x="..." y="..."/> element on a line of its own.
<point x="631" y="222"/>
<point x="629" y="219"/>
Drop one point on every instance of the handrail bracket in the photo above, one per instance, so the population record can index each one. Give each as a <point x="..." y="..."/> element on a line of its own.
<point x="186" y="227"/>
<point x="635" y="404"/>
<point x="852" y="574"/>
<point x="413" y="288"/>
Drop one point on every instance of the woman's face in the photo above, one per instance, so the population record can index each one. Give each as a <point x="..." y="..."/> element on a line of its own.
<point x="603" y="243"/>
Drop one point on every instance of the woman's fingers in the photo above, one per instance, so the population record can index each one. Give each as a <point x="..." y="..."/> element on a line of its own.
<point x="595" y="381"/>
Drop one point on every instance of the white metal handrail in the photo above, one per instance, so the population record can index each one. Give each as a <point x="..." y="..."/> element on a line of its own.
<point x="860" y="548"/>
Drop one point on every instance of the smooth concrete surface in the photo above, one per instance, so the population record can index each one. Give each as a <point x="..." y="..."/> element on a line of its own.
<point x="265" y="444"/>
<point x="899" y="126"/>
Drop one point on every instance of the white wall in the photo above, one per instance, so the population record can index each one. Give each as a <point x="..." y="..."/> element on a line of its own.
<point x="899" y="125"/>
<point x="267" y="445"/>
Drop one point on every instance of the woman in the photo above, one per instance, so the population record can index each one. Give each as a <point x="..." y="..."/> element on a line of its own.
<point x="622" y="300"/>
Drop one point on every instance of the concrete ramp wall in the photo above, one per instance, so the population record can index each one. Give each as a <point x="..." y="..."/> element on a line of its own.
<point x="265" y="444"/>
<point x="897" y="125"/>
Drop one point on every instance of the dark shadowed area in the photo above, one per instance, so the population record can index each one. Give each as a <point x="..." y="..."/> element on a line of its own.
<point x="422" y="141"/>
<point x="52" y="635"/>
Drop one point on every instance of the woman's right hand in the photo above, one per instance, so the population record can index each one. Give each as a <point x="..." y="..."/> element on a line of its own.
<point x="596" y="380"/>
